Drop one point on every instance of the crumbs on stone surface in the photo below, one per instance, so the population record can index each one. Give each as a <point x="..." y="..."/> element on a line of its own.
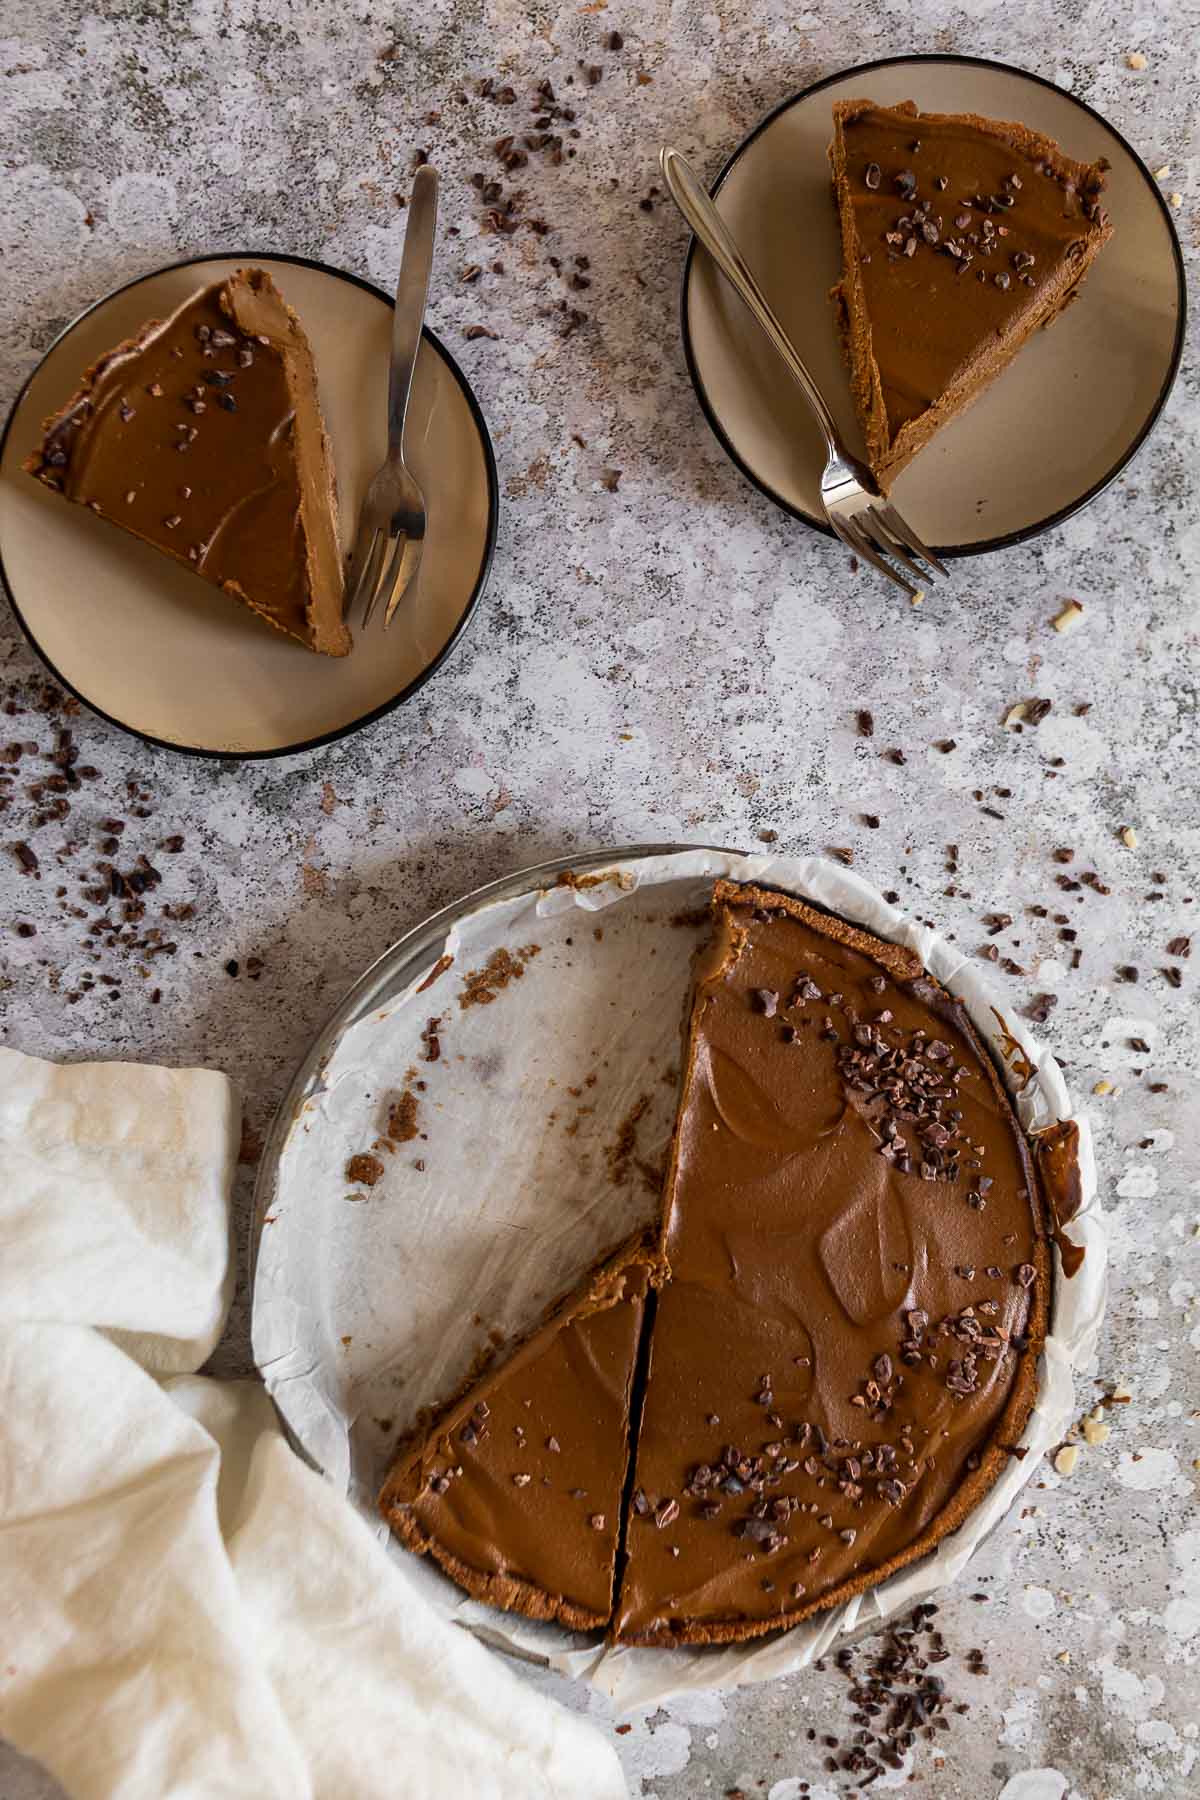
<point x="899" y="1705"/>
<point x="83" y="821"/>
<point x="482" y="986"/>
<point x="1093" y="1428"/>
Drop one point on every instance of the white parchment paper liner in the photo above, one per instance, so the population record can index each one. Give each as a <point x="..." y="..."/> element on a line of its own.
<point x="366" y="1309"/>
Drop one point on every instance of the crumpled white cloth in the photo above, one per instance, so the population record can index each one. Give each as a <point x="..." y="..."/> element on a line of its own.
<point x="187" y="1612"/>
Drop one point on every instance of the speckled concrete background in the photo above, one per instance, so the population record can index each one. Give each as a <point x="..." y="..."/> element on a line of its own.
<point x="664" y="656"/>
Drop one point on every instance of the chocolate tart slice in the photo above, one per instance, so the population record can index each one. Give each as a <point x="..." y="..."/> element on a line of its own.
<point x="960" y="236"/>
<point x="846" y="1348"/>
<point x="203" y="436"/>
<point x="516" y="1488"/>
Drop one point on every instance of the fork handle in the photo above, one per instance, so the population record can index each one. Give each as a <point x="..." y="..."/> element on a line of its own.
<point x="412" y="293"/>
<point x="686" y="190"/>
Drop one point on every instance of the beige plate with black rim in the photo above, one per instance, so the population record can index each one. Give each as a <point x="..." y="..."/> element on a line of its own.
<point x="164" y="654"/>
<point x="1052" y="431"/>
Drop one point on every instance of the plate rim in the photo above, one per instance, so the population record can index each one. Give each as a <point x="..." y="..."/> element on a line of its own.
<point x="1062" y="514"/>
<point x="485" y="566"/>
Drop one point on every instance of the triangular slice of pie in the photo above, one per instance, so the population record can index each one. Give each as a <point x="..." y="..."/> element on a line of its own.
<point x="960" y="236"/>
<point x="516" y="1488"/>
<point x="203" y="436"/>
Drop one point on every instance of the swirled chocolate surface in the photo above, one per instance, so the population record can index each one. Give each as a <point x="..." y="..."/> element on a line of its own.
<point x="203" y="437"/>
<point x="858" y="1273"/>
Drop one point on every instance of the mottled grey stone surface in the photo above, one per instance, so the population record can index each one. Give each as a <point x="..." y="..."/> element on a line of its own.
<point x="673" y="660"/>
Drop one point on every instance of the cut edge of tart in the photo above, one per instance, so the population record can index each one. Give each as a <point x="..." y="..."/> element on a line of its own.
<point x="889" y="204"/>
<point x="202" y="436"/>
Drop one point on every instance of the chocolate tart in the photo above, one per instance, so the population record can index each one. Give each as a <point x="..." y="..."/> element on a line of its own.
<point x="839" y="1320"/>
<point x="960" y="237"/>
<point x="516" y="1488"/>
<point x="203" y="437"/>
<point x="847" y="1346"/>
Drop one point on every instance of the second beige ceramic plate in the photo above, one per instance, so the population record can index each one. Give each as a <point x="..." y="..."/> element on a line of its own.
<point x="1052" y="431"/>
<point x="161" y="653"/>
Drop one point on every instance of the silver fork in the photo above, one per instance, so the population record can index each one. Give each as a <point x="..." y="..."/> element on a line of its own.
<point x="862" y="516"/>
<point x="391" y="525"/>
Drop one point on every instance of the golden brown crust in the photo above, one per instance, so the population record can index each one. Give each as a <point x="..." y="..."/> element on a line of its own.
<point x="901" y="963"/>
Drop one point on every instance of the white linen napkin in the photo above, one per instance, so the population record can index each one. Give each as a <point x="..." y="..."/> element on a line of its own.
<point x="187" y="1611"/>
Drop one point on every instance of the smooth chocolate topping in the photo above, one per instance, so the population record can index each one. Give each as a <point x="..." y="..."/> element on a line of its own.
<point x="517" y="1489"/>
<point x="856" y="1266"/>
<point x="203" y="437"/>
<point x="960" y="236"/>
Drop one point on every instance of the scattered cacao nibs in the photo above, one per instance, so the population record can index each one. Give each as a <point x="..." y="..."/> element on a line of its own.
<point x="1173" y="977"/>
<point x="1180" y="946"/>
<point x="865" y="720"/>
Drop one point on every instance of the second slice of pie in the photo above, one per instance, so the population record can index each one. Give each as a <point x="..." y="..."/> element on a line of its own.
<point x="960" y="237"/>
<point x="203" y="437"/>
<point x="516" y="1488"/>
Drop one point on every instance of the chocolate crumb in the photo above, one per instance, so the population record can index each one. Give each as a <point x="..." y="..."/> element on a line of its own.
<point x="364" y="1169"/>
